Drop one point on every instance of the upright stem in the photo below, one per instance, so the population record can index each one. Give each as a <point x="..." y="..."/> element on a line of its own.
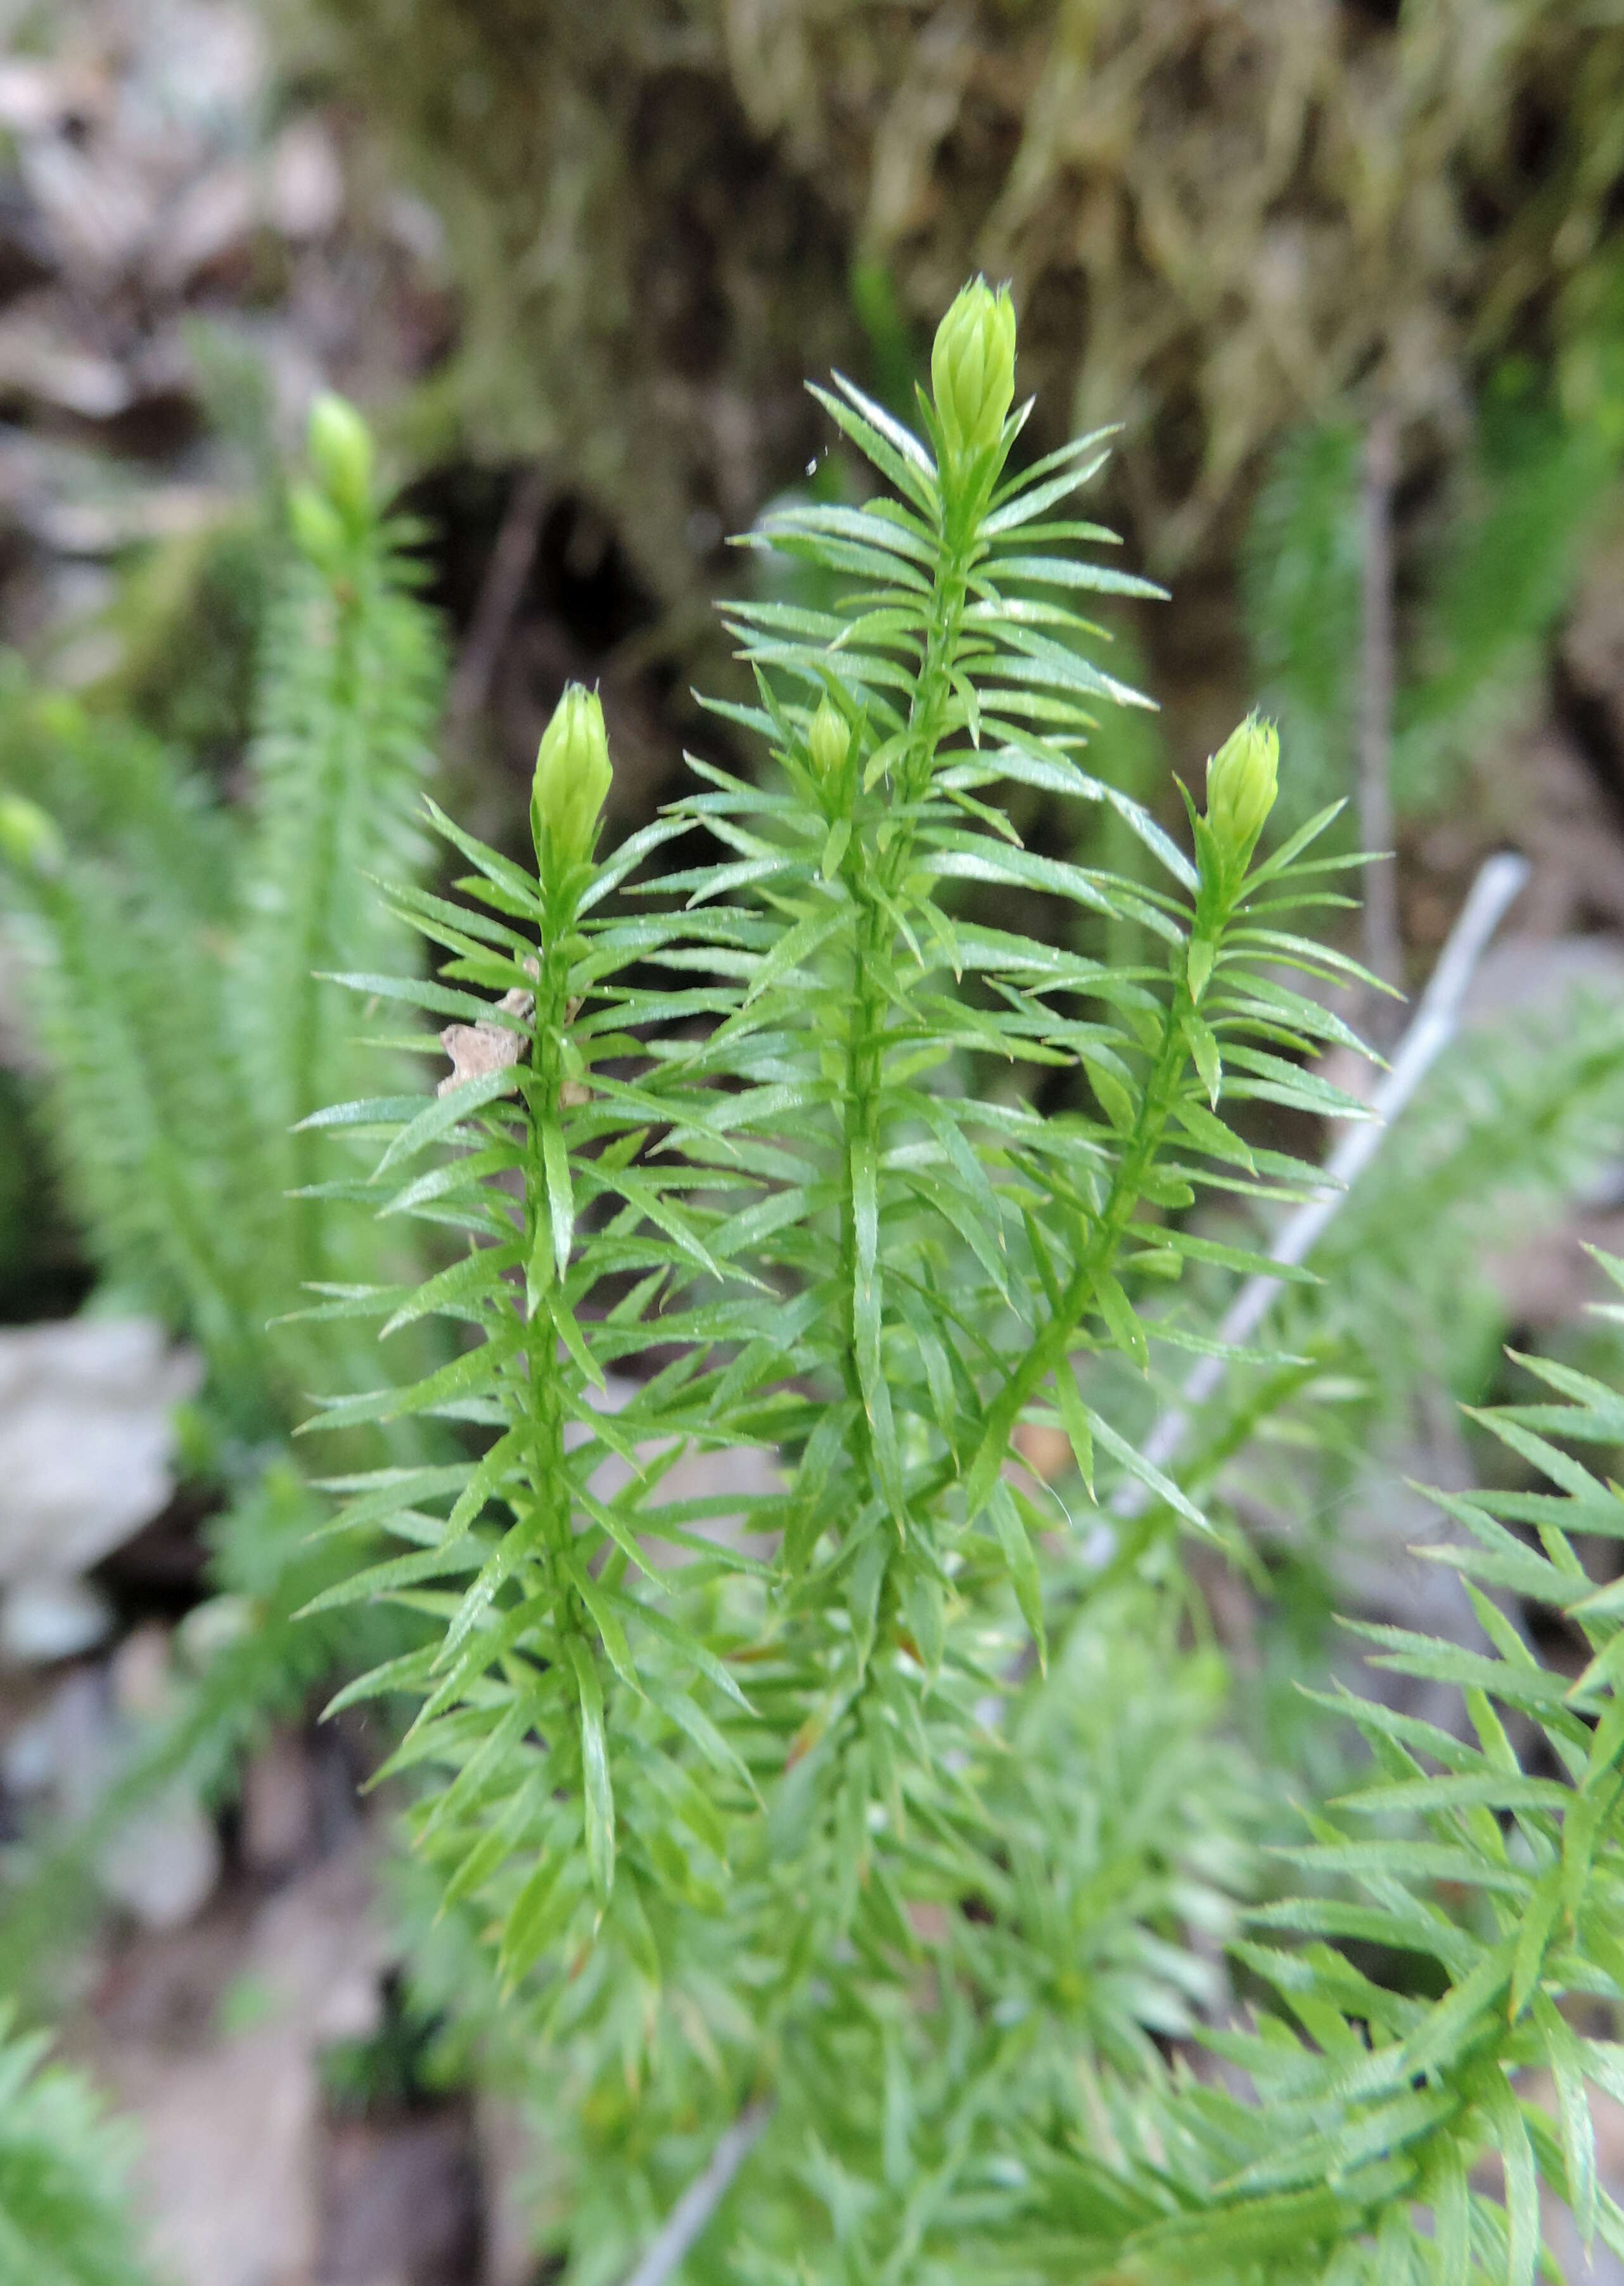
<point x="310" y="1022"/>
<point x="864" y="1066"/>
<point x="551" y="1509"/>
<point x="872" y="895"/>
<point x="1047" y="1352"/>
<point x="934" y="688"/>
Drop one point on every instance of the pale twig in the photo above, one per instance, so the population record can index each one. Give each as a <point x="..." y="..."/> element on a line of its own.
<point x="1429" y="1033"/>
<point x="499" y="597"/>
<point x="699" y="2201"/>
<point x="1383" y="942"/>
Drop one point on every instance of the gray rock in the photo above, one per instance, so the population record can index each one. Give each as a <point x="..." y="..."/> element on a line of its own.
<point x="86" y="1450"/>
<point x="43" y="1621"/>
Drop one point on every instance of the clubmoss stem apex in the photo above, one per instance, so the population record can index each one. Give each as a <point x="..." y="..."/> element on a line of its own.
<point x="973" y="367"/>
<point x="1243" y="781"/>
<point x="571" y="781"/>
<point x="341" y="453"/>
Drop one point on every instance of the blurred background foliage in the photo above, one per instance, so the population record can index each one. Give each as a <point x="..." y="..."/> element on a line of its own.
<point x="1227" y="223"/>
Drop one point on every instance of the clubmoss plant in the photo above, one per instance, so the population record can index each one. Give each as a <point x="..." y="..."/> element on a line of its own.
<point x="774" y="1263"/>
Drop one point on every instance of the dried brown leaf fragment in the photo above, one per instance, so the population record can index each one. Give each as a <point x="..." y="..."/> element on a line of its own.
<point x="477" y="1050"/>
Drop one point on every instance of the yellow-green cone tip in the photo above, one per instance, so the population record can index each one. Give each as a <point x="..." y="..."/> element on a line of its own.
<point x="571" y="781"/>
<point x="973" y="367"/>
<point x="29" y="839"/>
<point x="341" y="454"/>
<point x="1243" y="781"/>
<point x="828" y="740"/>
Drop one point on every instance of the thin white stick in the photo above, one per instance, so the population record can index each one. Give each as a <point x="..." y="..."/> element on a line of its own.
<point x="699" y="2201"/>
<point x="1433" y="1027"/>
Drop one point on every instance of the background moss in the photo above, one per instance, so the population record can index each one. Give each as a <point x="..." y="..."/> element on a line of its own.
<point x="1219" y="216"/>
